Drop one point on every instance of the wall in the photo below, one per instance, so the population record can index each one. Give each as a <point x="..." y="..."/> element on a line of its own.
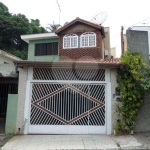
<point x="143" y="119"/>
<point x="31" y="51"/>
<point x="93" y="53"/>
<point x="21" y="98"/>
<point x="113" y="52"/>
<point x="113" y="74"/>
<point x="143" y="28"/>
<point x="10" y="127"/>
<point x="137" y="41"/>
<point x="5" y="59"/>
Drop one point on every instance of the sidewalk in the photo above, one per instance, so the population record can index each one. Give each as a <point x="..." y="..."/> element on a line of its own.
<point x="45" y="142"/>
<point x="143" y="138"/>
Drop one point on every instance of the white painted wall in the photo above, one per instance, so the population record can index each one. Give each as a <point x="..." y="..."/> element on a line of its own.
<point x="6" y="69"/>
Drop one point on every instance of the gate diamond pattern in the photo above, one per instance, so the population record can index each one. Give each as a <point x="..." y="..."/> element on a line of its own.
<point x="62" y="104"/>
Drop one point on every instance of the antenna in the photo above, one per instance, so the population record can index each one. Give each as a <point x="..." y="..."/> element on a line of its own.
<point x="59" y="10"/>
<point x="99" y="18"/>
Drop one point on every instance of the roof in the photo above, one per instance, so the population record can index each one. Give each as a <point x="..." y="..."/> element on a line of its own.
<point x="108" y="63"/>
<point x="29" y="37"/>
<point x="78" y="20"/>
<point x="8" y="55"/>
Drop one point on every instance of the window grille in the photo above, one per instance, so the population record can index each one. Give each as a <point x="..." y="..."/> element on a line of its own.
<point x="46" y="49"/>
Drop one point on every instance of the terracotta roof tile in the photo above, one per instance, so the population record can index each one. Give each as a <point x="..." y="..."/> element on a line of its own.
<point x="102" y="61"/>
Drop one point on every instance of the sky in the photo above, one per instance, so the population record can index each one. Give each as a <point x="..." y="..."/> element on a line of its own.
<point x="124" y="13"/>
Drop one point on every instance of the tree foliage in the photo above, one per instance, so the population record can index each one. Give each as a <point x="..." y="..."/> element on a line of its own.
<point x="52" y="27"/>
<point x="129" y="80"/>
<point x="14" y="25"/>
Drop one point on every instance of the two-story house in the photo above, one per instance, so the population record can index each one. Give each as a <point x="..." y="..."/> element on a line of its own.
<point x="67" y="85"/>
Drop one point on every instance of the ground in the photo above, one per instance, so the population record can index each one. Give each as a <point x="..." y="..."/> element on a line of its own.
<point x="4" y="139"/>
<point x="143" y="138"/>
<point x="41" y="142"/>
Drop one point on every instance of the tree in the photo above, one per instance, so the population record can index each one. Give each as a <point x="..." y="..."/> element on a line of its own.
<point x="4" y="9"/>
<point x="12" y="26"/>
<point x="36" y="28"/>
<point x="52" y="27"/>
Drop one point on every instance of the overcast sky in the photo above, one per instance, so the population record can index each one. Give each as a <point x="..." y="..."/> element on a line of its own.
<point x="120" y="13"/>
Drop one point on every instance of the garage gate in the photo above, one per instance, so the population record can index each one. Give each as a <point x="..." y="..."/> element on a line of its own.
<point x="68" y="101"/>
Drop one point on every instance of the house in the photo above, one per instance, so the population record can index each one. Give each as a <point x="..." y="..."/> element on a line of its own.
<point x="8" y="84"/>
<point x="67" y="85"/>
<point x="137" y="39"/>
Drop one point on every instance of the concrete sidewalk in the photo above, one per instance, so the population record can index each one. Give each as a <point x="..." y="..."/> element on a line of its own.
<point x="45" y="142"/>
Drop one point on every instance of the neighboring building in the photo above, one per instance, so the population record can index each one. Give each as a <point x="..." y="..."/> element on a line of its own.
<point x="138" y="41"/>
<point x="66" y="86"/>
<point x="113" y="52"/>
<point x="8" y="84"/>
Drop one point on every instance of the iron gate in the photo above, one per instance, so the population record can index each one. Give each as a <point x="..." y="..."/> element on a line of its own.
<point x="67" y="104"/>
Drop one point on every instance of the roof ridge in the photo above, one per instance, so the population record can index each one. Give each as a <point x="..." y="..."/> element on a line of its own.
<point x="78" y="19"/>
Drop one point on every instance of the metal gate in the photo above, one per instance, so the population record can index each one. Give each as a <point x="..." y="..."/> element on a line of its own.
<point x="5" y="89"/>
<point x="68" y="108"/>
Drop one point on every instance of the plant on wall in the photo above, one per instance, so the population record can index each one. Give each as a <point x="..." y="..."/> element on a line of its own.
<point x="129" y="79"/>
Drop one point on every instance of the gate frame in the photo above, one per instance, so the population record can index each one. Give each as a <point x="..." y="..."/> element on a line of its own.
<point x="108" y="101"/>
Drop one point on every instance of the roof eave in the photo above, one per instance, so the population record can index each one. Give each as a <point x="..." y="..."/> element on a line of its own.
<point x="65" y="64"/>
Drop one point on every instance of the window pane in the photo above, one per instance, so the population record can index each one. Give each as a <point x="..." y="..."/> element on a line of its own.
<point x="82" y="41"/>
<point x="55" y="49"/>
<point x="92" y="40"/>
<point x="49" y="48"/>
<point x="43" y="49"/>
<point x="74" y="42"/>
<point x="86" y="41"/>
<point x="37" y="49"/>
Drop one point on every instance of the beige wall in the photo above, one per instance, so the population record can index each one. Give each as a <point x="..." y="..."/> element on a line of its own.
<point x="113" y="74"/>
<point x="125" y="42"/>
<point x="21" y="98"/>
<point x="113" y="52"/>
<point x="106" y="40"/>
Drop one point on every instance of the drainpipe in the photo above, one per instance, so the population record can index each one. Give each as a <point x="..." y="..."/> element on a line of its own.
<point x="122" y="41"/>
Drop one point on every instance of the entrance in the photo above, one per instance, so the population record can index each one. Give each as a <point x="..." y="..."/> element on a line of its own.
<point x="7" y="86"/>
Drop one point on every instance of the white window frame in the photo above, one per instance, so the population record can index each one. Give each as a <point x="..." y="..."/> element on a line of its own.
<point x="87" y="35"/>
<point x="70" y="37"/>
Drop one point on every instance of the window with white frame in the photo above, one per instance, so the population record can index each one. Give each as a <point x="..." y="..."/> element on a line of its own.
<point x="88" y="39"/>
<point x="70" y="41"/>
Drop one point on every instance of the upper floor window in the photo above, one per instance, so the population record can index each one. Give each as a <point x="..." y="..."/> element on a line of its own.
<point x="46" y="49"/>
<point x="88" y="39"/>
<point x="70" y="41"/>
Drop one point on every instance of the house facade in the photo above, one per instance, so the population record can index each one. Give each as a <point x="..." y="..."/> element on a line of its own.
<point x="67" y="85"/>
<point x="8" y="85"/>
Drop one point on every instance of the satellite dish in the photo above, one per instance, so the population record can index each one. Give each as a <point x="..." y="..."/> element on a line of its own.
<point x="99" y="18"/>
